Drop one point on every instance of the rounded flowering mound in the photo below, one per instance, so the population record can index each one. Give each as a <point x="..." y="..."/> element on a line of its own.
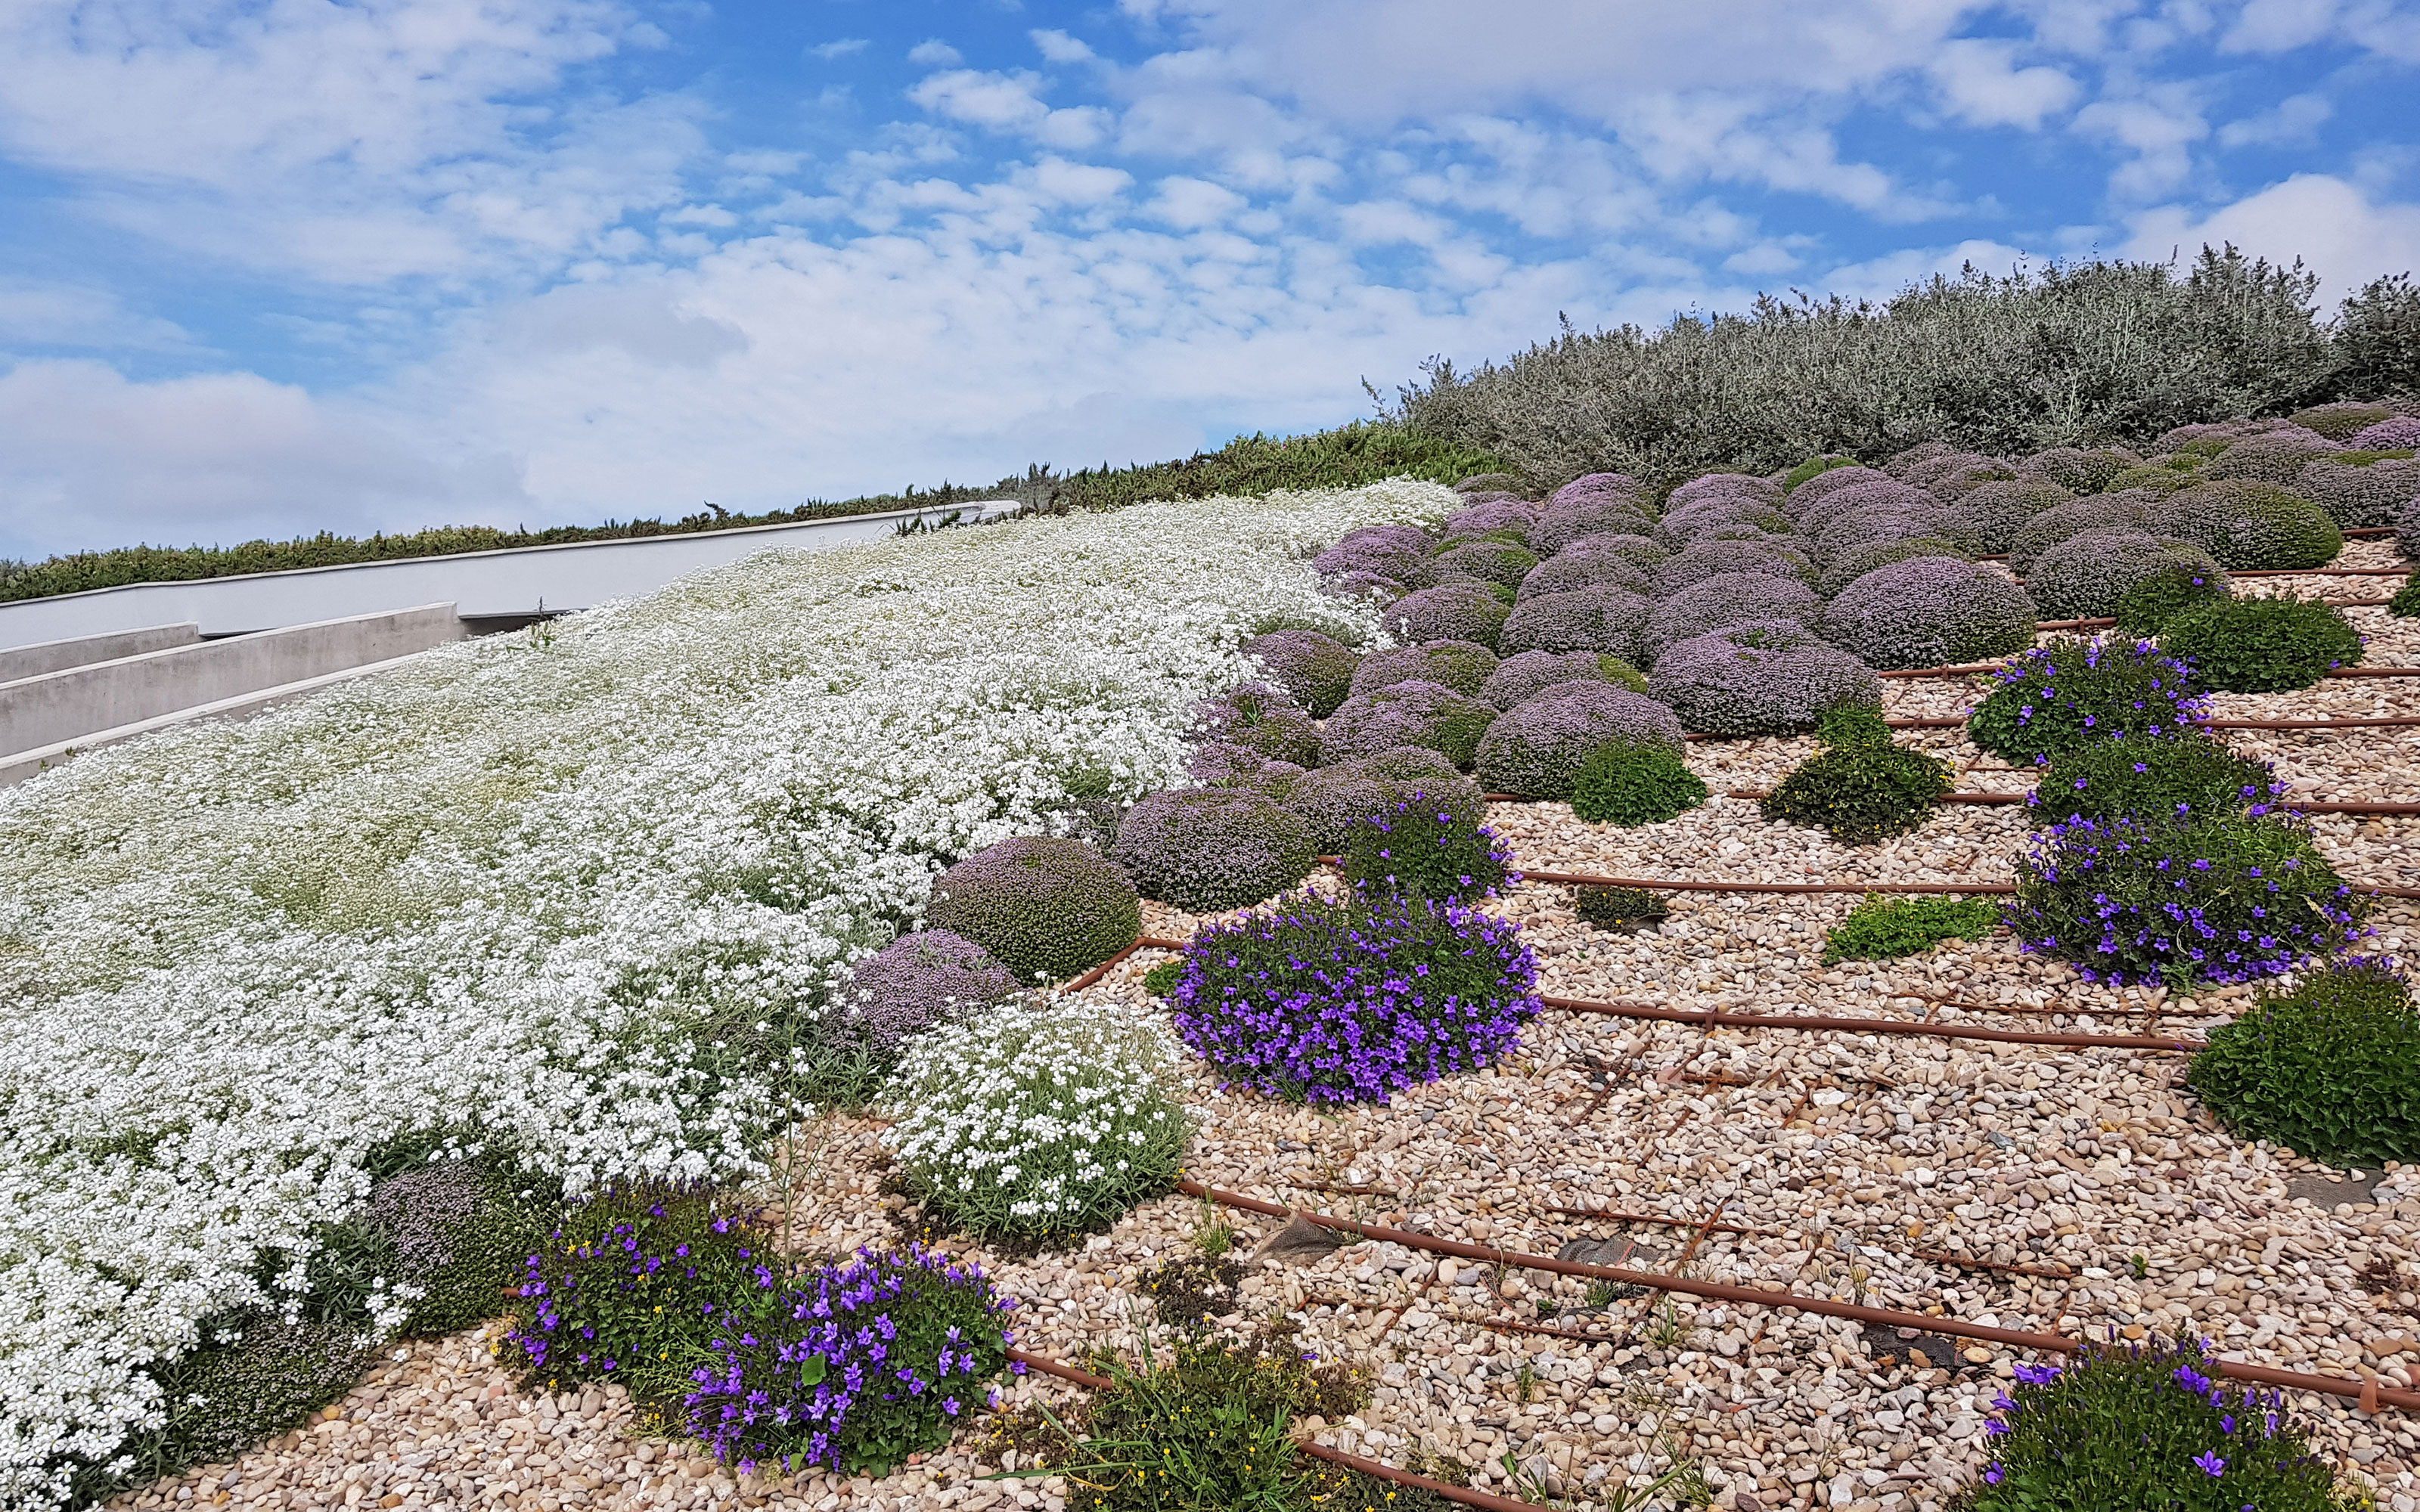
<point x="1394" y="551"/>
<point x="1427" y="842"/>
<point x="1822" y="485"/>
<point x="1706" y="558"/>
<point x="2102" y="512"/>
<point x="2266" y="644"/>
<point x="1259" y="717"/>
<point x="1491" y="515"/>
<point x="1994" y="513"/>
<point x="1484" y="561"/>
<point x="461" y="1233"/>
<point x="2146" y="608"/>
<point x="2341" y="420"/>
<point x="2407" y="532"/>
<point x="1206" y="850"/>
<point x="1519" y="678"/>
<point x="2142" y="900"/>
<point x="1332" y="799"/>
<point x="2359" y="490"/>
<point x="1722" y="485"/>
<point x="1536" y="749"/>
<point x="2073" y="470"/>
<point x="2143" y="778"/>
<point x="851" y="1367"/>
<point x="1566" y="520"/>
<point x="2274" y="458"/>
<point x="1453" y="612"/>
<point x="1571" y="571"/>
<point x="1490" y="483"/>
<point x="1710" y="513"/>
<point x="1901" y="463"/>
<point x="1768" y="677"/>
<point x="2149" y="1425"/>
<point x="1316" y="670"/>
<point x="1857" y="561"/>
<point x="1461" y="665"/>
<point x="2396" y="433"/>
<point x="1726" y="599"/>
<point x="1930" y="612"/>
<point x="918" y="981"/>
<point x="1846" y="532"/>
<point x="1405" y="713"/>
<point x="1600" y="485"/>
<point x="2073" y="692"/>
<point x="2249" y="526"/>
<point x="1864" y="497"/>
<point x="1639" y="550"/>
<point x="1585" y="619"/>
<point x="1950" y="477"/>
<point x="2088" y="575"/>
<point x="1345" y="1002"/>
<point x="1044" y="908"/>
<point x="1363" y="586"/>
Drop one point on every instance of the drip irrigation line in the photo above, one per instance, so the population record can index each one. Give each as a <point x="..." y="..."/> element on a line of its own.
<point x="2368" y="1392"/>
<point x="2322" y="572"/>
<point x="1978" y="668"/>
<point x="1833" y="1023"/>
<point x="1586" y="879"/>
<point x="2310" y="806"/>
<point x="2377" y="721"/>
<point x="1103" y="969"/>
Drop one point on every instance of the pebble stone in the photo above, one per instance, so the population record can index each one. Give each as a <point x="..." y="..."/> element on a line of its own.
<point x="2023" y="1186"/>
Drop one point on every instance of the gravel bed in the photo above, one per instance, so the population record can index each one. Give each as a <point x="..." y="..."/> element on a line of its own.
<point x="1899" y="1169"/>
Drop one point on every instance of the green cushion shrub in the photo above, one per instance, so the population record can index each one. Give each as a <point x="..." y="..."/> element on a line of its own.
<point x="1044" y="907"/>
<point x="2146" y="608"/>
<point x="2331" y="1069"/>
<point x="1860" y="791"/>
<point x="1429" y="844"/>
<point x="2248" y="525"/>
<point x="2265" y="644"/>
<point x="1884" y="928"/>
<point x="2075" y="691"/>
<point x="1619" y="908"/>
<point x="2146" y="777"/>
<point x="1632" y="784"/>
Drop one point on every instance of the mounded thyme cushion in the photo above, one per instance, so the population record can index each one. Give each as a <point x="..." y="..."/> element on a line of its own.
<point x="1044" y="908"/>
<point x="1764" y="677"/>
<point x="1536" y="749"/>
<point x="1206" y="850"/>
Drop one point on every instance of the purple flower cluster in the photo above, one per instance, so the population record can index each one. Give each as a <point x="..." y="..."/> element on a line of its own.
<point x="1496" y="514"/>
<point x="1259" y="717"/>
<point x="1763" y="677"/>
<point x="2366" y="495"/>
<point x="2272" y="458"/>
<point x="1395" y="551"/>
<point x="1405" y="713"/>
<point x="1346" y="1001"/>
<point x="1643" y="551"/>
<point x="1711" y="557"/>
<point x="2073" y="470"/>
<point x="1570" y="515"/>
<point x="1727" y="599"/>
<point x="2128" y="510"/>
<point x="626" y="1277"/>
<point x="1535" y="748"/>
<point x="2059" y="696"/>
<point x="917" y="982"/>
<point x="2396" y="433"/>
<point x="1723" y="485"/>
<point x="1451" y="611"/>
<point x="1484" y="561"/>
<point x="854" y="1367"/>
<point x="1209" y="849"/>
<point x="1461" y="665"/>
<point x="1314" y="669"/>
<point x="1930" y="612"/>
<point x="1860" y="492"/>
<point x="1584" y="619"/>
<point x="2083" y="576"/>
<point x="2128" y="900"/>
<point x="1523" y="676"/>
<point x="1576" y="569"/>
<point x="1703" y="516"/>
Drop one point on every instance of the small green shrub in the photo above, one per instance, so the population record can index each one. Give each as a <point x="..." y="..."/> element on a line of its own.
<point x="2248" y="525"/>
<point x="2262" y="645"/>
<point x="1814" y="467"/>
<point x="2405" y="605"/>
<point x="1429" y="844"/>
<point x="1853" y="724"/>
<point x="461" y="1234"/>
<point x="1884" y="929"/>
<point x="1035" y="1124"/>
<point x="1161" y="979"/>
<point x="1629" y="785"/>
<point x="1619" y="908"/>
<point x="2195" y="778"/>
<point x="2147" y="1426"/>
<point x="2146" y="608"/>
<point x="255" y="1377"/>
<point x="1187" y="1291"/>
<point x="632" y="1286"/>
<point x="2331" y="1069"/>
<point x="1860" y="792"/>
<point x="2073" y="692"/>
<point x="1621" y="672"/>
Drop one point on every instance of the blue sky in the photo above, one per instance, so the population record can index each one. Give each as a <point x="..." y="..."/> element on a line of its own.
<point x="279" y="266"/>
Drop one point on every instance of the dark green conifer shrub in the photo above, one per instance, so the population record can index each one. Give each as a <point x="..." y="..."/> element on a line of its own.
<point x="1861" y="787"/>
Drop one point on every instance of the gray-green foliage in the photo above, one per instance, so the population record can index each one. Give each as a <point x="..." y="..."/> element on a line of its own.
<point x="2081" y="355"/>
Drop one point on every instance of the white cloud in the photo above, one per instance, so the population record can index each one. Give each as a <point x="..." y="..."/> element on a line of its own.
<point x="47" y="313"/>
<point x="2342" y="232"/>
<point x="1058" y="47"/>
<point x="2159" y="128"/>
<point x="936" y="53"/>
<point x="1009" y="102"/>
<point x="840" y="47"/>
<point x="2294" y="121"/>
<point x="1982" y="85"/>
<point x="1879" y="278"/>
<point x="1191" y="203"/>
<point x="2280" y="26"/>
<point x="89" y="458"/>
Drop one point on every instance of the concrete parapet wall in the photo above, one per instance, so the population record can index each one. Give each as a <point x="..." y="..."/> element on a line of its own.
<point x="53" y="708"/>
<point x="51" y="656"/>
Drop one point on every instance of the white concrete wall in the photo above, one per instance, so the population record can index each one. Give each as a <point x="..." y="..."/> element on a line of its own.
<point x="521" y="580"/>
<point x="50" y="655"/>
<point x="36" y="713"/>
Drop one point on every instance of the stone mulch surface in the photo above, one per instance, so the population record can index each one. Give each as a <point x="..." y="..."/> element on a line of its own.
<point x="1901" y="1169"/>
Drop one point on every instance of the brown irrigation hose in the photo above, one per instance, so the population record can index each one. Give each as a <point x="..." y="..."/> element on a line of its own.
<point x="1978" y="668"/>
<point x="1718" y="1018"/>
<point x="1584" y="879"/>
<point x="2366" y="1392"/>
<point x="2311" y="806"/>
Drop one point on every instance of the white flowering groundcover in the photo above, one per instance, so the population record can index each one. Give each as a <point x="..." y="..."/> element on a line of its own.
<point x="499" y="892"/>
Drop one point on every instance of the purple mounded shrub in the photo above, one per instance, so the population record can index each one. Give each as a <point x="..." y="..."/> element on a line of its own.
<point x="2357" y="494"/>
<point x="2396" y="433"/>
<point x="1316" y="670"/>
<point x="1704" y="515"/>
<point x="1585" y="619"/>
<point x="1564" y="522"/>
<point x="1865" y="495"/>
<point x="1767" y="677"/>
<point x="1728" y="599"/>
<point x="1857" y="561"/>
<point x="1641" y="551"/>
<point x="1535" y="748"/>
<point x="2130" y="511"/>
<point x="2407" y="532"/>
<point x="1520" y="677"/>
<point x="1994" y="513"/>
<point x="1461" y="665"/>
<point x="2249" y="525"/>
<point x="853" y="1367"/>
<point x="917" y="982"/>
<point x="1385" y="556"/>
<point x="1724" y="485"/>
<point x="1847" y="531"/>
<point x="1259" y="717"/>
<point x="2084" y="577"/>
<point x="1901" y="463"/>
<point x="2272" y="458"/>
<point x="1499" y="514"/>
<point x="1353" y="1001"/>
<point x="1452" y="611"/>
<point x="1822" y="485"/>
<point x="1405" y="713"/>
<point x="1484" y="561"/>
<point x="1705" y="559"/>
<point x="1930" y="612"/>
<point x="1044" y="907"/>
<point x="1950" y="479"/>
<point x="1206" y="850"/>
<point x="1600" y="485"/>
<point x="1569" y="571"/>
<point x="2074" y="470"/>
<point x="1332" y="799"/>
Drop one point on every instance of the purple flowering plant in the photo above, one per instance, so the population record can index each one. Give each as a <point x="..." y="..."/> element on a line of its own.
<point x="1352" y="1000"/>
<point x="1430" y="844"/>
<point x="2150" y="1424"/>
<point x="632" y="1284"/>
<point x="852" y="1366"/>
<point x="2073" y="692"/>
<point x="2133" y="900"/>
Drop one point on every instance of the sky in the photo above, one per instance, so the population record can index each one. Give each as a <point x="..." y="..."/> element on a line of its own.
<point x="273" y="267"/>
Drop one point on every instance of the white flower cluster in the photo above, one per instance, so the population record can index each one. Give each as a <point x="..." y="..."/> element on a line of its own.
<point x="504" y="888"/>
<point x="1048" y="1117"/>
